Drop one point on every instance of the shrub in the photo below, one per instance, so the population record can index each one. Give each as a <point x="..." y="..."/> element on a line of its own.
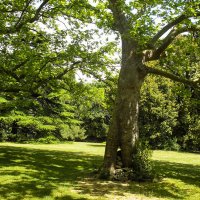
<point x="172" y="145"/>
<point x="142" y="165"/>
<point x="73" y="132"/>
<point x="48" y="140"/>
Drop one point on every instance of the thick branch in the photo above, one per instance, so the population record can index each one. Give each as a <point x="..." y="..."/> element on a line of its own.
<point x="172" y="77"/>
<point x="36" y="16"/>
<point x="168" y="40"/>
<point x="121" y="22"/>
<point x="167" y="28"/>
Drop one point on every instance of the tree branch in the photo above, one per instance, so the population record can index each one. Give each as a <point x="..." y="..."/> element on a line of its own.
<point x="173" y="77"/>
<point x="168" y="40"/>
<point x="167" y="28"/>
<point x="17" y="27"/>
<point x="23" y="11"/>
<point x="20" y="65"/>
<point x="36" y="16"/>
<point x="118" y="15"/>
<point x="42" y="82"/>
<point x="170" y="25"/>
<point x="66" y="70"/>
<point x="9" y="73"/>
<point x="10" y="90"/>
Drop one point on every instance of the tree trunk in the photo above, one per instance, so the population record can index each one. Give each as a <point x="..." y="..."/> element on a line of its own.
<point x="124" y="132"/>
<point x="14" y="131"/>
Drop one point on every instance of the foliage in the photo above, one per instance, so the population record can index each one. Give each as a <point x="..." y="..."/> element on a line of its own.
<point x="35" y="118"/>
<point x="73" y="132"/>
<point x="93" y="110"/>
<point x="188" y="128"/>
<point x="48" y="140"/>
<point x="142" y="164"/>
<point x="158" y="112"/>
<point x="40" y="52"/>
<point x="169" y="121"/>
<point x="169" y="111"/>
<point x="187" y="96"/>
<point x="44" y="43"/>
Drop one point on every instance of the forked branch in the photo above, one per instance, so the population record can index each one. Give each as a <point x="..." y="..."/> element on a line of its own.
<point x="155" y="54"/>
<point x="169" y="26"/>
<point x="121" y="23"/>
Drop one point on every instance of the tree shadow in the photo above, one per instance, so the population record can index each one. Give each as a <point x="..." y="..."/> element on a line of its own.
<point x="186" y="173"/>
<point x="37" y="172"/>
<point x="68" y="197"/>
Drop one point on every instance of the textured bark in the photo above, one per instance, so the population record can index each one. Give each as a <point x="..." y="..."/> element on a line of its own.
<point x="124" y="132"/>
<point x="111" y="148"/>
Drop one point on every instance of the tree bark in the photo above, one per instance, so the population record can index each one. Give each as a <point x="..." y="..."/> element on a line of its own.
<point x="124" y="132"/>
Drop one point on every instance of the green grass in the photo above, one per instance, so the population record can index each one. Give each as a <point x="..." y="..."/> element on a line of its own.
<point x="63" y="171"/>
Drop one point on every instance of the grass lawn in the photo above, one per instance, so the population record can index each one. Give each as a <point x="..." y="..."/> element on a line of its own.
<point x="63" y="171"/>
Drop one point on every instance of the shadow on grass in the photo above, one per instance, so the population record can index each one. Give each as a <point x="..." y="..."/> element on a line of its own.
<point x="186" y="173"/>
<point x="37" y="173"/>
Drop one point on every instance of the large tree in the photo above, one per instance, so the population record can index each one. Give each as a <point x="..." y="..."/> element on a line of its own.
<point x="146" y="29"/>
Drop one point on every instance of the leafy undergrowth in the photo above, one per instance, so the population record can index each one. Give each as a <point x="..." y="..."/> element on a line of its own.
<point x="64" y="172"/>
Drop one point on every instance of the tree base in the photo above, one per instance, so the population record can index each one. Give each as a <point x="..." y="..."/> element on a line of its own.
<point x="124" y="175"/>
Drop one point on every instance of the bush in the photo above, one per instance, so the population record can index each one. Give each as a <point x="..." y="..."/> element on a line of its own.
<point x="172" y="145"/>
<point x="73" y="132"/>
<point x="48" y="140"/>
<point x="142" y="164"/>
<point x="3" y="136"/>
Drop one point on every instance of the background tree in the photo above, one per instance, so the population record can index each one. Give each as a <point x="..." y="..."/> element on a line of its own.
<point x="187" y="97"/>
<point x="41" y="47"/>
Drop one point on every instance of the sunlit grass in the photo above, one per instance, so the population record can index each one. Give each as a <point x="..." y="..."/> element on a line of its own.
<point x="64" y="171"/>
